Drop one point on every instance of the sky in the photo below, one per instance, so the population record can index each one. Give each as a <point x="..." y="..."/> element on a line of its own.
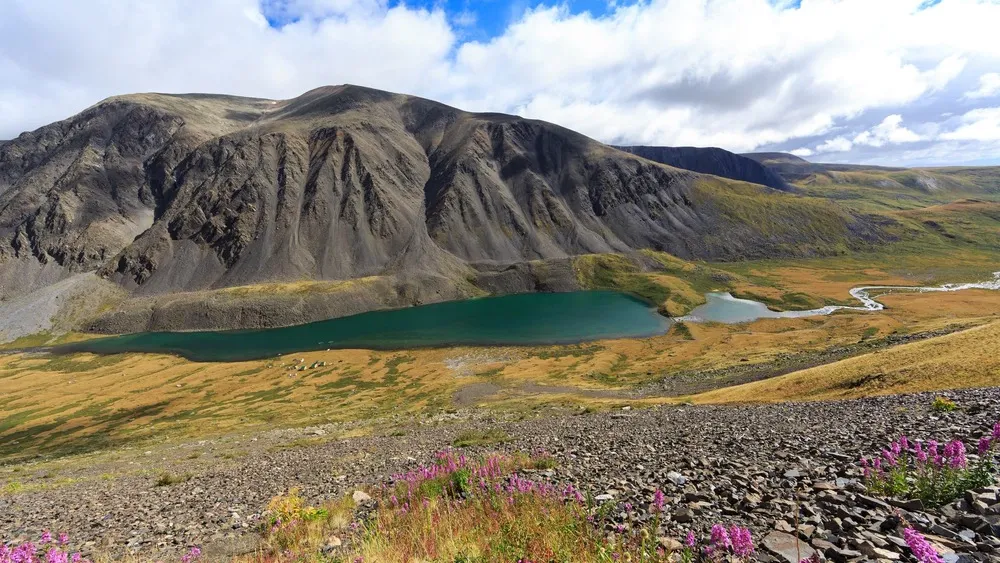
<point x="892" y="82"/>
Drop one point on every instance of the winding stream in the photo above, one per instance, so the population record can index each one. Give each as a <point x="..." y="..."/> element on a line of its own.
<point x="724" y="308"/>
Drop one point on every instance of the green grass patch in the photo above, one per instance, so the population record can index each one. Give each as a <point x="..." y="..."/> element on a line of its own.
<point x="167" y="479"/>
<point x="489" y="437"/>
<point x="680" y="329"/>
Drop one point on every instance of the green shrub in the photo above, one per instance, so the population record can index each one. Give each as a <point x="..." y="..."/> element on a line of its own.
<point x="943" y="404"/>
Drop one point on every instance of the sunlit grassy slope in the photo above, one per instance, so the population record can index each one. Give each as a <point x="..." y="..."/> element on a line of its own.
<point x="970" y="358"/>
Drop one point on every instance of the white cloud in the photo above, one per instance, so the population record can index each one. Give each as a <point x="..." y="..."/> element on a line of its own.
<point x="802" y="152"/>
<point x="989" y="86"/>
<point x="739" y="74"/>
<point x="982" y="124"/>
<point x="836" y="144"/>
<point x="889" y="131"/>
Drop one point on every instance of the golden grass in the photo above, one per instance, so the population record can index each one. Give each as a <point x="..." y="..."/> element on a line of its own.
<point x="83" y="402"/>
<point x="965" y="359"/>
<point x="292" y="288"/>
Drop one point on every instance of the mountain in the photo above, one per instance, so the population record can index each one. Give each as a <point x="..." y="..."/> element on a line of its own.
<point x="179" y="193"/>
<point x="715" y="161"/>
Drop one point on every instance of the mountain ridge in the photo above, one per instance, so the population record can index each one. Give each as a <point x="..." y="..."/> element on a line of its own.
<point x="714" y="161"/>
<point x="178" y="193"/>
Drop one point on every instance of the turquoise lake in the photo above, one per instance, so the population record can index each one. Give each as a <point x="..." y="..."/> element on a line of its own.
<point x="526" y="319"/>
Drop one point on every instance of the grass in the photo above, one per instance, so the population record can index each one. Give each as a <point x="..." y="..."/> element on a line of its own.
<point x="11" y="488"/>
<point x="166" y="479"/>
<point x="674" y="286"/>
<point x="970" y="358"/>
<point x="488" y="437"/>
<point x="682" y="330"/>
<point x="458" y="510"/>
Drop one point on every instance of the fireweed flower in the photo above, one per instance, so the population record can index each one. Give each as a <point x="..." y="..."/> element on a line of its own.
<point x="889" y="457"/>
<point x="741" y="540"/>
<point x="55" y="555"/>
<point x="954" y="453"/>
<point x="932" y="453"/>
<point x="984" y="445"/>
<point x="720" y="538"/>
<point x="192" y="555"/>
<point x="658" y="501"/>
<point x="921" y="548"/>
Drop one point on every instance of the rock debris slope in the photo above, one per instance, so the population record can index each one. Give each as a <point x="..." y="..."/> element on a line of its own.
<point x="167" y="193"/>
<point x="769" y="467"/>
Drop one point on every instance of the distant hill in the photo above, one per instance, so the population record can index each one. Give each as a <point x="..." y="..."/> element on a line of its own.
<point x="715" y="161"/>
<point x="959" y="179"/>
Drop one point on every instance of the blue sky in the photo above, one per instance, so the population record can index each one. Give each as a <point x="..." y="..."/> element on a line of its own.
<point x="484" y="19"/>
<point x="492" y="17"/>
<point x="894" y="82"/>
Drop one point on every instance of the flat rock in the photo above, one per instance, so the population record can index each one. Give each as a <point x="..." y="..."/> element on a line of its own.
<point x="787" y="547"/>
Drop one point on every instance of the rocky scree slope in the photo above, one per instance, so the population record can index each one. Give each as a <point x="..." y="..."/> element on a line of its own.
<point x="164" y="193"/>
<point x="766" y="466"/>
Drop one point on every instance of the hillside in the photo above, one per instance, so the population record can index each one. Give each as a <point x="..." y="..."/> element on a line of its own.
<point x="168" y="193"/>
<point x="878" y="188"/>
<point x="714" y="161"/>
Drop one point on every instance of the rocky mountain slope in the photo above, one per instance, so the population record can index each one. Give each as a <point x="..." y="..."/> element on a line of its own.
<point x="781" y="469"/>
<point x="167" y="193"/>
<point x="715" y="161"/>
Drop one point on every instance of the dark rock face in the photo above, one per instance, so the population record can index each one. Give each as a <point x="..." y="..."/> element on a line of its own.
<point x="714" y="161"/>
<point x="178" y="193"/>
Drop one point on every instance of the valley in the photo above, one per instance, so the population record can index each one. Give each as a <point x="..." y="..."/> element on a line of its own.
<point x="207" y="300"/>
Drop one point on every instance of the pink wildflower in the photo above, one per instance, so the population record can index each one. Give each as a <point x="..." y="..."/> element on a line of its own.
<point x="55" y="555"/>
<point x="741" y="541"/>
<point x="984" y="445"/>
<point x="954" y="452"/>
<point x="658" y="501"/>
<point x="921" y="548"/>
<point x="192" y="555"/>
<point x="690" y="540"/>
<point x="720" y="538"/>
